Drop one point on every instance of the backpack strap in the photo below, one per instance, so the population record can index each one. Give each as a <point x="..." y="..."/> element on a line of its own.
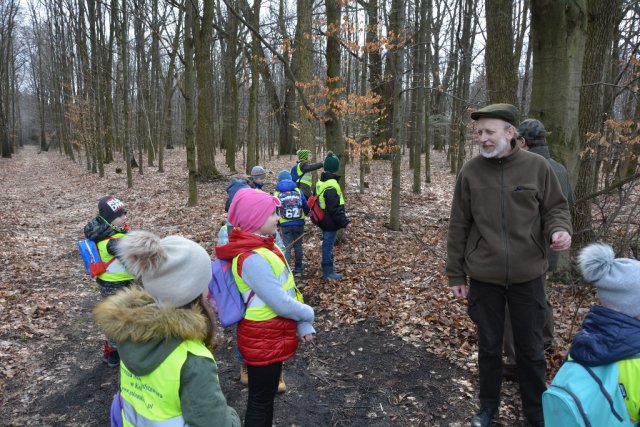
<point x="603" y="390"/>
<point x="108" y="263"/>
<point x="575" y="398"/>
<point x="241" y="259"/>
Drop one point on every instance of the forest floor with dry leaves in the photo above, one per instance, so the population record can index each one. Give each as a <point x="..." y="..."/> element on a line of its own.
<point x="393" y="347"/>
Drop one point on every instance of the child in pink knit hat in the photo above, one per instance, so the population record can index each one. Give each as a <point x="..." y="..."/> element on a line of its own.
<point x="276" y="316"/>
<point x="251" y="208"/>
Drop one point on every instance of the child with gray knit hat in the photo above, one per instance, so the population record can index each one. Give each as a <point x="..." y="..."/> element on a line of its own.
<point x="611" y="330"/>
<point x="165" y="333"/>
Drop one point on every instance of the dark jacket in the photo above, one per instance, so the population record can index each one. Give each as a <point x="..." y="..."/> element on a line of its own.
<point x="335" y="216"/>
<point x="503" y="214"/>
<point x="606" y="337"/>
<point x="565" y="185"/>
<point x="146" y="336"/>
<point x="232" y="188"/>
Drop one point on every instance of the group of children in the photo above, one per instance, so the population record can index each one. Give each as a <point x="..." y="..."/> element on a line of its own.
<point x="162" y="334"/>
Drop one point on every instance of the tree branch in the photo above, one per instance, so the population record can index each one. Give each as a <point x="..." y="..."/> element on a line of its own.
<point x="285" y="63"/>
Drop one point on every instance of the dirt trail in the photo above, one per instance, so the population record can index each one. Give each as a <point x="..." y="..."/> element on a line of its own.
<point x="50" y="368"/>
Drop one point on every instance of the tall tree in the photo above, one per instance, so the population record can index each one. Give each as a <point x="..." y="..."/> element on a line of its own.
<point x="332" y="123"/>
<point x="600" y="31"/>
<point x="253" y="154"/>
<point x="394" y="73"/>
<point x="230" y="130"/>
<point x="124" y="59"/>
<point x="558" y="34"/>
<point x="203" y="36"/>
<point x="301" y="63"/>
<point x="502" y="76"/>
<point x="419" y="80"/>
<point x="188" y="93"/>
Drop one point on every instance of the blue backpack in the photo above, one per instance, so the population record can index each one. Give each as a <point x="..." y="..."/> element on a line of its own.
<point x="93" y="264"/>
<point x="585" y="396"/>
<point x="224" y="296"/>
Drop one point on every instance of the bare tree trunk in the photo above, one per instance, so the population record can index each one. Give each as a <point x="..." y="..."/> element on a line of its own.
<point x="590" y="120"/>
<point x="395" y="62"/>
<point x="302" y="62"/>
<point x="558" y="31"/>
<point x="333" y="124"/>
<point x="165" y="119"/>
<point x="189" y="142"/>
<point x="419" y="82"/>
<point x="125" y="90"/>
<point x="428" y="98"/>
<point x="502" y="78"/>
<point x="253" y="154"/>
<point x="203" y="34"/>
<point x="230" y="131"/>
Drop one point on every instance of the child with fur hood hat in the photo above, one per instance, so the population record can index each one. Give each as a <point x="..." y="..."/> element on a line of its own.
<point x="276" y="316"/>
<point x="611" y="331"/>
<point x="165" y="333"/>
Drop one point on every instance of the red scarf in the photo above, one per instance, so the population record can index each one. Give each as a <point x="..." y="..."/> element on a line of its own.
<point x="243" y="241"/>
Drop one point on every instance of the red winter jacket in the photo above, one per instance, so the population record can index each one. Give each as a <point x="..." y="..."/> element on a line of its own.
<point x="260" y="342"/>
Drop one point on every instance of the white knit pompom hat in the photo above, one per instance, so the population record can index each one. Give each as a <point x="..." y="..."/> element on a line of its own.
<point x="617" y="279"/>
<point x="175" y="270"/>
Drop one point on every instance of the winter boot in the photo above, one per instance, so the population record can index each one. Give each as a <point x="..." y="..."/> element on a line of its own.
<point x="484" y="416"/>
<point x="244" y="374"/>
<point x="282" y="387"/>
<point x="113" y="360"/>
<point x="110" y="355"/>
<point x="334" y="276"/>
<point x="329" y="274"/>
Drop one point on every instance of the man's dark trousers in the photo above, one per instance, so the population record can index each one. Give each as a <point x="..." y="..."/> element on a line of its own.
<point x="527" y="304"/>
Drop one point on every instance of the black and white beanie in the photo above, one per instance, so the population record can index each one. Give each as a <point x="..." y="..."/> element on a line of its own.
<point x="111" y="208"/>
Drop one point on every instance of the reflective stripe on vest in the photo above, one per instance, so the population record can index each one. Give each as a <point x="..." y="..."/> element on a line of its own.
<point x="322" y="186"/>
<point x="116" y="272"/>
<point x="628" y="374"/>
<point x="154" y="399"/>
<point x="257" y="309"/>
<point x="302" y="215"/>
<point x="305" y="178"/>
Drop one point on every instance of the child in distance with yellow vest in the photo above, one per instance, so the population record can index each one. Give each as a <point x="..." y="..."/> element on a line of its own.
<point x="105" y="230"/>
<point x="302" y="171"/>
<point x="276" y="317"/>
<point x="166" y="334"/>
<point x="331" y="200"/>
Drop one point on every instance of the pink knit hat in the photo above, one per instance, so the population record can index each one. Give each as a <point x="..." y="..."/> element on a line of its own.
<point x="250" y="208"/>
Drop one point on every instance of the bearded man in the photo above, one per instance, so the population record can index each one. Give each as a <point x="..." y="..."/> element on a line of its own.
<point x="507" y="212"/>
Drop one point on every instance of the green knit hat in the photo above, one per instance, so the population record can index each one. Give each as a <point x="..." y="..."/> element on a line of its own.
<point x="303" y="154"/>
<point x="331" y="163"/>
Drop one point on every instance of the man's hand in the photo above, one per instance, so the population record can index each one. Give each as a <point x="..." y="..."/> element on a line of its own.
<point x="560" y="241"/>
<point x="459" y="291"/>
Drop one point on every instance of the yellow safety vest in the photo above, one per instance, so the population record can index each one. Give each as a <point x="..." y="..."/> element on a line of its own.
<point x="628" y="374"/>
<point x="116" y="272"/>
<point x="257" y="309"/>
<point x="322" y="186"/>
<point x="305" y="178"/>
<point x="153" y="400"/>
